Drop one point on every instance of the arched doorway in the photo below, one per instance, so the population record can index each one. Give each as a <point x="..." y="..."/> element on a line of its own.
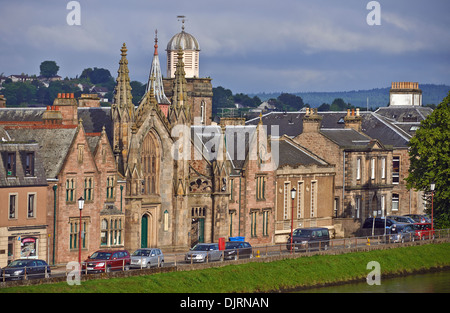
<point x="375" y="206"/>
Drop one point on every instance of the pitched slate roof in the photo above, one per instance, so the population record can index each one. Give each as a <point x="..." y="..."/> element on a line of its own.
<point x="20" y="179"/>
<point x="94" y="119"/>
<point x="390" y="125"/>
<point x="54" y="144"/>
<point x="294" y="155"/>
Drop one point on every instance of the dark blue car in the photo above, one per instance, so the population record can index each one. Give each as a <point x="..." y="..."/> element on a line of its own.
<point x="25" y="269"/>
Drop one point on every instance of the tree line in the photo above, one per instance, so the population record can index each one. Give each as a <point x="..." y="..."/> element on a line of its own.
<point x="34" y="92"/>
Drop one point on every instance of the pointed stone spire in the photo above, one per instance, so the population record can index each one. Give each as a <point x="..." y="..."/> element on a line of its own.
<point x="179" y="84"/>
<point x="180" y="110"/>
<point x="122" y="92"/>
<point x="155" y="72"/>
<point x="122" y="112"/>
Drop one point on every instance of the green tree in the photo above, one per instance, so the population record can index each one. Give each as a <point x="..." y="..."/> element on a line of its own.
<point x="49" y="68"/>
<point x="291" y="102"/>
<point x="430" y="161"/>
<point x="137" y="91"/>
<point x="19" y="93"/>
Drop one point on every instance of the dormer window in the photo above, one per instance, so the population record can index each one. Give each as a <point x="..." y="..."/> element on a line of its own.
<point x="11" y="165"/>
<point x="29" y="164"/>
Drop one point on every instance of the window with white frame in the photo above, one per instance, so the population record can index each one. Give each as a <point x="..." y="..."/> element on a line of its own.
<point x="313" y="198"/>
<point x="383" y="168"/>
<point x="395" y="202"/>
<point x="12" y="205"/>
<point x="286" y="200"/>
<point x="358" y="168"/>
<point x="395" y="169"/>
<point x="31" y="205"/>
<point x="372" y="167"/>
<point x="300" y="199"/>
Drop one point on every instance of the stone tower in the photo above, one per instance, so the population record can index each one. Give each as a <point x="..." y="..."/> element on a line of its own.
<point x="122" y="112"/>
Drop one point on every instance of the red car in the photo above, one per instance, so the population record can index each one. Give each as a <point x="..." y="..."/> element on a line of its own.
<point x="423" y="231"/>
<point x="106" y="261"/>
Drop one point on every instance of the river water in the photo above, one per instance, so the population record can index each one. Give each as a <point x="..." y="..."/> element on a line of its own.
<point x="436" y="282"/>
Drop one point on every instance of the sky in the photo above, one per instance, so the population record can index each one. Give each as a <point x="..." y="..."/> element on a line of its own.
<point x="247" y="46"/>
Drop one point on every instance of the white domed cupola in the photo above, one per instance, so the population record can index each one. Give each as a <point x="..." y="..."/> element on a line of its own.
<point x="191" y="50"/>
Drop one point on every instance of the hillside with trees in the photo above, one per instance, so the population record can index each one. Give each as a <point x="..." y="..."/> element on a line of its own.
<point x="377" y="97"/>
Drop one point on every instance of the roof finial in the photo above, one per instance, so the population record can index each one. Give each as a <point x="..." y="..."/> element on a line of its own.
<point x="183" y="19"/>
<point x="124" y="50"/>
<point x="156" y="42"/>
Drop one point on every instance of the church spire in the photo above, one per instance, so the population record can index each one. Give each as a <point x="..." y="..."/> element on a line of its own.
<point x="122" y="92"/>
<point x="180" y="110"/>
<point x="122" y="112"/>
<point x="155" y="72"/>
<point x="179" y="84"/>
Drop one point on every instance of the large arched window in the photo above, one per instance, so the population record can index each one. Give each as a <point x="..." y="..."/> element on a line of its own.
<point x="150" y="162"/>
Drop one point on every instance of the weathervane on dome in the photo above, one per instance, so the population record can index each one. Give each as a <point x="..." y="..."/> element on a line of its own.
<point x="183" y="19"/>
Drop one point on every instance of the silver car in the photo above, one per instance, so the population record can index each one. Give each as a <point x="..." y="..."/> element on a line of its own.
<point x="402" y="233"/>
<point x="146" y="258"/>
<point x="204" y="252"/>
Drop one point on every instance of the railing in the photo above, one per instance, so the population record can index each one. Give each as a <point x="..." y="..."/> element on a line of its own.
<point x="283" y="249"/>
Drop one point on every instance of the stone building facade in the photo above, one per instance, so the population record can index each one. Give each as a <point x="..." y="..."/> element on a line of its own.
<point x="312" y="178"/>
<point x="77" y="164"/>
<point x="23" y="199"/>
<point x="363" y="186"/>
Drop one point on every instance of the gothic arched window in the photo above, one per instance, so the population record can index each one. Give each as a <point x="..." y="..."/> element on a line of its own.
<point x="150" y="161"/>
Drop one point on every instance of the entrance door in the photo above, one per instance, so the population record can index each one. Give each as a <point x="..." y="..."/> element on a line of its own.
<point x="197" y="231"/>
<point x="201" y="230"/>
<point x="144" y="231"/>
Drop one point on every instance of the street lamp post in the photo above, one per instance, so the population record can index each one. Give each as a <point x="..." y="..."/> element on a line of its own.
<point x="80" y="206"/>
<point x="293" y="192"/>
<point x="432" y="186"/>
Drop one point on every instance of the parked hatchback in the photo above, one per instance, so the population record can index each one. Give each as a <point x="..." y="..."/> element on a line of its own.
<point x="423" y="231"/>
<point x="26" y="269"/>
<point x="146" y="258"/>
<point x="235" y="250"/>
<point x="204" y="252"/>
<point x="106" y="261"/>
<point x="420" y="218"/>
<point x="402" y="233"/>
<point x="309" y="238"/>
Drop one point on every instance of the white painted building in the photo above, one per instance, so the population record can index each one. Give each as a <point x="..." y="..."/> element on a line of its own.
<point x="405" y="94"/>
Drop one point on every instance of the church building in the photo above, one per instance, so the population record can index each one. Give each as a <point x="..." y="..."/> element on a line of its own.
<point x="173" y="198"/>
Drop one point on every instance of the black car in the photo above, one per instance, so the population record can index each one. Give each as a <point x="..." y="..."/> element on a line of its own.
<point x="26" y="269"/>
<point x="235" y="250"/>
<point x="309" y="238"/>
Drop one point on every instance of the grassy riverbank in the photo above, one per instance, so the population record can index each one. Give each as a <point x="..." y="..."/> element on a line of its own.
<point x="264" y="277"/>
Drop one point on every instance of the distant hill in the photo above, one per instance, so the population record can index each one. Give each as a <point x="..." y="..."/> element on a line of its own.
<point x="378" y="97"/>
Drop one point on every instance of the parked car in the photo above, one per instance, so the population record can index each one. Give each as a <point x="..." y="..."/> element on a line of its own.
<point x="309" y="238"/>
<point x="203" y="252"/>
<point x="423" y="231"/>
<point x="147" y="257"/>
<point x="377" y="228"/>
<point x="380" y="222"/>
<point x="235" y="250"/>
<point x="402" y="233"/>
<point x="401" y="219"/>
<point x="26" y="269"/>
<point x="420" y="218"/>
<point x="106" y="261"/>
